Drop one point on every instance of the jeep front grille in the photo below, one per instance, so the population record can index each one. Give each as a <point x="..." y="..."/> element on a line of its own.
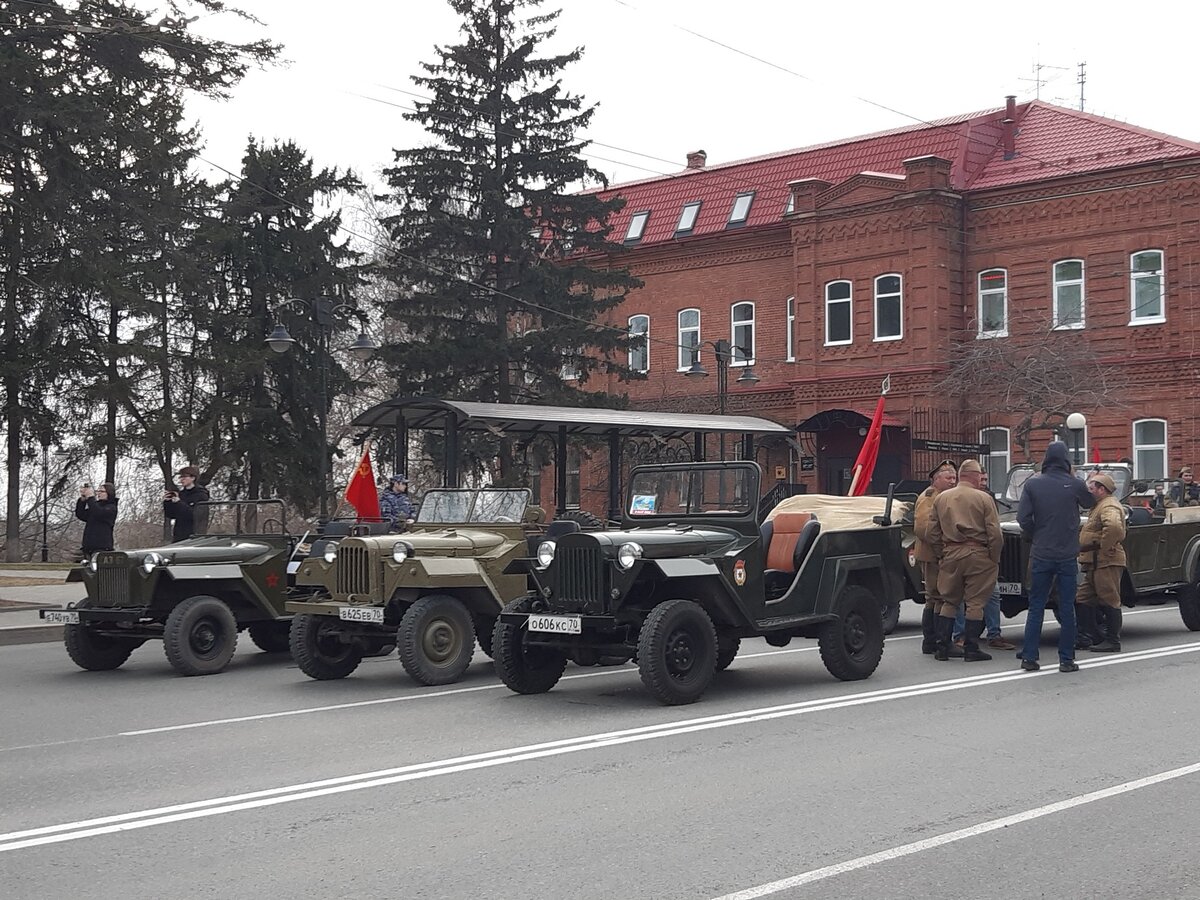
<point x="1012" y="568"/>
<point x="353" y="570"/>
<point x="112" y="583"/>
<point x="580" y="572"/>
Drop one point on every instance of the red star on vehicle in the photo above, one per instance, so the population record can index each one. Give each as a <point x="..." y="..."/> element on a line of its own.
<point x="272" y="579"/>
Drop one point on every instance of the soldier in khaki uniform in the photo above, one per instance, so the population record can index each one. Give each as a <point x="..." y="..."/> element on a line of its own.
<point x="943" y="477"/>
<point x="1103" y="560"/>
<point x="965" y="532"/>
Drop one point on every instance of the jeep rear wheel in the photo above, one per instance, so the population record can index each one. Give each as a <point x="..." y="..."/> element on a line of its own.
<point x="727" y="650"/>
<point x="524" y="669"/>
<point x="319" y="650"/>
<point x="200" y="636"/>
<point x="1189" y="607"/>
<point x="891" y="617"/>
<point x="97" y="652"/>
<point x="271" y="637"/>
<point x="677" y="652"/>
<point x="852" y="646"/>
<point x="484" y="626"/>
<point x="436" y="640"/>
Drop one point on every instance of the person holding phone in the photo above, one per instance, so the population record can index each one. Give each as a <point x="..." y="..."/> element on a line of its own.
<point x="97" y="509"/>
<point x="180" y="504"/>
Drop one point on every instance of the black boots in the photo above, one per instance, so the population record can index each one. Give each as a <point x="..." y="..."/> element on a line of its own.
<point x="971" y="636"/>
<point x="1085" y="624"/>
<point x="1112" y="643"/>
<point x="928" y="631"/>
<point x="943" y="629"/>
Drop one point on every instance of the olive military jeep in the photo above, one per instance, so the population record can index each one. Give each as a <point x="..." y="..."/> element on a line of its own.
<point x="195" y="595"/>
<point x="691" y="572"/>
<point x="429" y="590"/>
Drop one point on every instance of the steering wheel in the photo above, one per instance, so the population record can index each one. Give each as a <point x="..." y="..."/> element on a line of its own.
<point x="268" y="522"/>
<point x="505" y="519"/>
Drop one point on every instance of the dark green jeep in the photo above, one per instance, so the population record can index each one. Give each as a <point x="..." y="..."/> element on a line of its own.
<point x="691" y="572"/>
<point x="195" y="595"/>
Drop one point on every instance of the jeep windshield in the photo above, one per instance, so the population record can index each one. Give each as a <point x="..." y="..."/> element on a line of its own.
<point x="1018" y="475"/>
<point x="482" y="507"/>
<point x="240" y="517"/>
<point x="691" y="492"/>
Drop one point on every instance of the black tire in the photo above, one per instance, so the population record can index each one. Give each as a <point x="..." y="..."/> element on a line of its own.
<point x="852" y="646"/>
<point x="727" y="649"/>
<point x="200" y="636"/>
<point x="484" y="626"/>
<point x="891" y="617"/>
<point x="271" y="637"/>
<point x="97" y="652"/>
<point x="587" y="521"/>
<point x="1189" y="607"/>
<point x="436" y="640"/>
<point x="522" y="668"/>
<point x="318" y="650"/>
<point x="677" y="652"/>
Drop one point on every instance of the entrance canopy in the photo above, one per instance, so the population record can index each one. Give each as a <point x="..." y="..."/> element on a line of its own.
<point x="851" y="418"/>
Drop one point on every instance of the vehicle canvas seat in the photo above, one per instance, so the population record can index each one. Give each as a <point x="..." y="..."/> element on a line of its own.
<point x="1139" y="515"/>
<point x="787" y="539"/>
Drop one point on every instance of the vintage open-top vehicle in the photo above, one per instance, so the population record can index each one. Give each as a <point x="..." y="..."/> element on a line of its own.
<point x="691" y="571"/>
<point x="194" y="595"/>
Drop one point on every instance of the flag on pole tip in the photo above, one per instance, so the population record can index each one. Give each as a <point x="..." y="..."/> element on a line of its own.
<point x="360" y="492"/>
<point x="864" y="465"/>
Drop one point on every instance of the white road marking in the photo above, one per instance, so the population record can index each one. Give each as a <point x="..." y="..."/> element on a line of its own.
<point x="862" y="862"/>
<point x="71" y="831"/>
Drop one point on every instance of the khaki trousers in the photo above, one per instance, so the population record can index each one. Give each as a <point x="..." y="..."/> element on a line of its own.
<point x="966" y="575"/>
<point x="1100" y="586"/>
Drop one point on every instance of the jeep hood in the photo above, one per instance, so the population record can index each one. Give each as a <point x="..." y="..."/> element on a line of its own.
<point x="455" y="541"/>
<point x="659" y="542"/>
<point x="201" y="550"/>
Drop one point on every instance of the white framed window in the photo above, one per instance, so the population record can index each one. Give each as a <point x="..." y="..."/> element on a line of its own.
<point x="637" y="226"/>
<point x="569" y="370"/>
<point x="574" y="460"/>
<point x="740" y="211"/>
<point x="687" y="217"/>
<point x="742" y="334"/>
<point x="889" y="308"/>
<point x="1068" y="293"/>
<point x="993" y="303"/>
<point x="839" y="319"/>
<point x="639" y="343"/>
<point x="688" y="338"/>
<point x="1147" y="287"/>
<point x="998" y="459"/>
<point x="1077" y="444"/>
<point x="1150" y="448"/>
<point x="791" y="329"/>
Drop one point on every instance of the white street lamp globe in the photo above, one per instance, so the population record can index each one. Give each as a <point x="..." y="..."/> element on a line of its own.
<point x="1076" y="421"/>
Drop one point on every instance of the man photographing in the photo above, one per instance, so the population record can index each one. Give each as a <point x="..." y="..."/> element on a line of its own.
<point x="180" y="504"/>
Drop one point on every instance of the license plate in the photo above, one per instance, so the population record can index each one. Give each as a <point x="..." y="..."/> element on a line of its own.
<point x="361" y="614"/>
<point x="1009" y="587"/>
<point x="62" y="617"/>
<point x="556" y="624"/>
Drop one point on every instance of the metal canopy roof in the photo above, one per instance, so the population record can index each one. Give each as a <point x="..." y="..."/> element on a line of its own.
<point x="526" y="419"/>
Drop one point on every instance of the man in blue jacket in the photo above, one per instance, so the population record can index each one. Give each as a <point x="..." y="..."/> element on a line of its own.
<point x="1049" y="516"/>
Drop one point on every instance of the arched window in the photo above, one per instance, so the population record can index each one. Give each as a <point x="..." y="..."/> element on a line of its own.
<point x="1150" y="448"/>
<point x="889" y="308"/>
<point x="742" y="334"/>
<point x="993" y="303"/>
<point x="688" y="338"/>
<point x="998" y="459"/>
<point x="639" y="343"/>
<point x="1147" y="287"/>
<point x="791" y="329"/>
<point x="1068" y="293"/>
<point x="839" y="319"/>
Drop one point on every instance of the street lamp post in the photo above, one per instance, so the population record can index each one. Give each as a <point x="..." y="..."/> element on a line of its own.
<point x="1076" y="422"/>
<point x="46" y="438"/>
<point x="325" y="312"/>
<point x="723" y="352"/>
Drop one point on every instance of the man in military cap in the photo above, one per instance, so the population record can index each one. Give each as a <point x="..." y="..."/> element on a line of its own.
<point x="964" y="528"/>
<point x="395" y="505"/>
<point x="1185" y="492"/>
<point x="943" y="477"/>
<point x="1102" y="559"/>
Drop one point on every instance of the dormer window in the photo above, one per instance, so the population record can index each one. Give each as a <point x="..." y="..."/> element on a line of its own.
<point x="687" y="218"/>
<point x="636" y="226"/>
<point x="741" y="209"/>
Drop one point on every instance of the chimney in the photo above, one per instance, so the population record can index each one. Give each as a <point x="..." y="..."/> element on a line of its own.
<point x="1008" y="125"/>
<point x="696" y="159"/>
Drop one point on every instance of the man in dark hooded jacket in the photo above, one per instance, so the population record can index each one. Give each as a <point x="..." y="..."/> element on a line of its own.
<point x="1049" y="515"/>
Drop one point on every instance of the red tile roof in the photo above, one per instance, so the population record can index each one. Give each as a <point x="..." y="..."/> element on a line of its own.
<point x="1051" y="141"/>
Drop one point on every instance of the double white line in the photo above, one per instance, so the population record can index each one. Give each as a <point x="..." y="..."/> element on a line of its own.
<point x="72" y="831"/>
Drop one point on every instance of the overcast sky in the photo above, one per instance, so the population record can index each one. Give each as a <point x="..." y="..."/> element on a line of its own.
<point x="853" y="68"/>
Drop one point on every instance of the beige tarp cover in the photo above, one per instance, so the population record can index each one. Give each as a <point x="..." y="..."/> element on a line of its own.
<point x="1181" y="514"/>
<point x="839" y="513"/>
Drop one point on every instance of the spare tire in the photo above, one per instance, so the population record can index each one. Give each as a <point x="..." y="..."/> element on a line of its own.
<point x="585" y="520"/>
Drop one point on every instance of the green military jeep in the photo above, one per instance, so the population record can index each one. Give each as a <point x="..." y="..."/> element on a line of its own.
<point x="194" y="595"/>
<point x="429" y="590"/>
<point x="691" y="572"/>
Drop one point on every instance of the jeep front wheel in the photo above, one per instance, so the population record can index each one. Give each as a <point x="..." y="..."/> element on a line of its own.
<point x="677" y="652"/>
<point x="727" y="650"/>
<point x="524" y="669"/>
<point x="852" y="646"/>
<point x="319" y="650"/>
<point x="97" y="652"/>
<point x="271" y="637"/>
<point x="200" y="636"/>
<point x="436" y="640"/>
<point x="1189" y="607"/>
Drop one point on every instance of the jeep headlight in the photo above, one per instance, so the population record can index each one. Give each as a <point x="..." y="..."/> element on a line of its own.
<point x="401" y="551"/>
<point x="628" y="554"/>
<point x="93" y="562"/>
<point x="545" y="554"/>
<point x="330" y="553"/>
<point x="151" y="561"/>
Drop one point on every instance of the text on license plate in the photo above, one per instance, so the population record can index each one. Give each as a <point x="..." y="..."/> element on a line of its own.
<point x="556" y="624"/>
<point x="1008" y="587"/>
<point x="361" y="614"/>
<point x="63" y="617"/>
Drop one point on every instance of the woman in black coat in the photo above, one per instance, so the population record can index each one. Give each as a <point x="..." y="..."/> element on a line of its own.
<point x="98" y="511"/>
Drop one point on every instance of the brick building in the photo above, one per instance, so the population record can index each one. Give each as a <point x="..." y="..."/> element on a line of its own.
<point x="835" y="265"/>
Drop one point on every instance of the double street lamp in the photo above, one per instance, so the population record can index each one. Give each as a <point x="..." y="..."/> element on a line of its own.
<point x="325" y="313"/>
<point x="724" y="353"/>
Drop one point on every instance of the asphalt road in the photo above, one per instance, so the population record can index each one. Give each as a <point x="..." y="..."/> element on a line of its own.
<point x="927" y="780"/>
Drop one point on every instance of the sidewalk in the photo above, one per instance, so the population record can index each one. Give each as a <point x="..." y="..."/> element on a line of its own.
<point x="19" y="620"/>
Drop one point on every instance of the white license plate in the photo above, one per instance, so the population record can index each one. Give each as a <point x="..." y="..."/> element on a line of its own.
<point x="556" y="624"/>
<point x="1009" y="587"/>
<point x="361" y="614"/>
<point x="62" y="617"/>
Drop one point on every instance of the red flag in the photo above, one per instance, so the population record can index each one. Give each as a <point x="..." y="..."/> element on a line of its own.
<point x="360" y="492"/>
<point x="1096" y="457"/>
<point x="864" y="466"/>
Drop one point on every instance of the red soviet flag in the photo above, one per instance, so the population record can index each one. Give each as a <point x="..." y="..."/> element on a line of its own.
<point x="864" y="466"/>
<point x="360" y="492"/>
<point x="1096" y="457"/>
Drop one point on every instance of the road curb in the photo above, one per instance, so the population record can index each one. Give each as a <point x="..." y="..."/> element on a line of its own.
<point x="11" y="635"/>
